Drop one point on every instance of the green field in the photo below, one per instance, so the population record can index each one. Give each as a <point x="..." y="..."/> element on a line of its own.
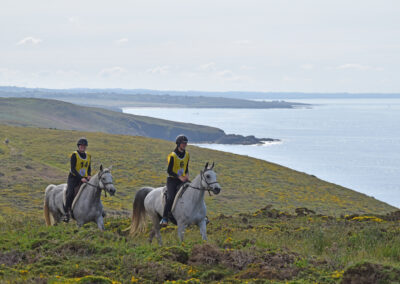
<point x="350" y="234"/>
<point x="264" y="247"/>
<point x="36" y="157"/>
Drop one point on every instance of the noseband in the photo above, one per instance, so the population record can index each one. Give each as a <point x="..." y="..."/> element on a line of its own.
<point x="202" y="177"/>
<point x="100" y="181"/>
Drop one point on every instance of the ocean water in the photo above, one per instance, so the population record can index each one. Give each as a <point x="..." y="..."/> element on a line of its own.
<point x="350" y="142"/>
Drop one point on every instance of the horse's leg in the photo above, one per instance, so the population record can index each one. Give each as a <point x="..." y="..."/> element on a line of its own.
<point x="151" y="236"/>
<point x="56" y="218"/>
<point x="181" y="231"/>
<point x="153" y="232"/>
<point x="203" y="229"/>
<point x="157" y="228"/>
<point x="100" y="222"/>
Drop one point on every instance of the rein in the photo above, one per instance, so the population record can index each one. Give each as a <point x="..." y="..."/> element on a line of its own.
<point x="201" y="181"/>
<point x="104" y="183"/>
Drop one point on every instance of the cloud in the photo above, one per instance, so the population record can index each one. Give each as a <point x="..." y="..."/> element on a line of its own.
<point x="29" y="40"/>
<point x="245" y="67"/>
<point x="229" y="75"/>
<point x="158" y="70"/>
<point x="307" y="66"/>
<point x="225" y="73"/>
<point x="67" y="73"/>
<point x="121" y="41"/>
<point x="211" y="66"/>
<point x="73" y="20"/>
<point x="359" y="67"/>
<point x="7" y="73"/>
<point x="243" y="42"/>
<point x="115" y="71"/>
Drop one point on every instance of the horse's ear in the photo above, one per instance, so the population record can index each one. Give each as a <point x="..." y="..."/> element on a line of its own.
<point x="206" y="166"/>
<point x="101" y="167"/>
<point x="212" y="166"/>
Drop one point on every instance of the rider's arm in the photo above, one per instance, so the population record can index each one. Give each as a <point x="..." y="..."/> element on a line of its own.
<point x="187" y="168"/>
<point x="89" y="171"/>
<point x="73" y="164"/>
<point x="170" y="167"/>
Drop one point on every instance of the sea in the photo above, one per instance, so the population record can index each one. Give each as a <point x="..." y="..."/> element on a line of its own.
<point x="351" y="142"/>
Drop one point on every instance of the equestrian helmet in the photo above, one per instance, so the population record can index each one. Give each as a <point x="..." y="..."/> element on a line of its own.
<point x="181" y="139"/>
<point x="82" y="141"/>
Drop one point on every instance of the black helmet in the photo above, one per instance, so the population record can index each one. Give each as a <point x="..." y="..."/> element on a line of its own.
<point x="82" y="141"/>
<point x="181" y="139"/>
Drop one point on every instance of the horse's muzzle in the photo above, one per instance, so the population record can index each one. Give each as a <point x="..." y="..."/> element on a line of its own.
<point x="216" y="190"/>
<point x="112" y="191"/>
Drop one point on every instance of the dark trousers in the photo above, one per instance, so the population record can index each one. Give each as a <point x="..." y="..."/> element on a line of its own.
<point x="173" y="185"/>
<point x="73" y="181"/>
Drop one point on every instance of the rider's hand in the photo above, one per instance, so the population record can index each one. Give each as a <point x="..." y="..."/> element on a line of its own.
<point x="182" y="178"/>
<point x="88" y="178"/>
<point x="84" y="180"/>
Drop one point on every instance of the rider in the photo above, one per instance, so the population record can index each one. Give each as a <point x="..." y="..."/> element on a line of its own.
<point x="80" y="173"/>
<point x="178" y="173"/>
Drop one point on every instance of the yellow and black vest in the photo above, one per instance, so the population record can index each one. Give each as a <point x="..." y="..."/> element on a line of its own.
<point x="179" y="164"/>
<point x="82" y="165"/>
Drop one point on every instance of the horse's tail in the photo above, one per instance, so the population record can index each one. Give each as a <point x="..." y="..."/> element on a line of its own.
<point x="46" y="205"/>
<point x="139" y="211"/>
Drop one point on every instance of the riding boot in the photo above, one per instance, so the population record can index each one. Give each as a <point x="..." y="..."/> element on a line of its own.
<point x="164" y="222"/>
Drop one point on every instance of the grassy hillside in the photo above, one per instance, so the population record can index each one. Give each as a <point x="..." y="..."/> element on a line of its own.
<point x="62" y="115"/>
<point x="253" y="246"/>
<point x="264" y="247"/>
<point x="35" y="158"/>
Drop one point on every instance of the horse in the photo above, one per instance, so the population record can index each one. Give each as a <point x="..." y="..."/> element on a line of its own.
<point x="188" y="208"/>
<point x="87" y="206"/>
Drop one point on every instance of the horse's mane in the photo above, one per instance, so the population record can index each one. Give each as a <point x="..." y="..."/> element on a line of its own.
<point x="81" y="190"/>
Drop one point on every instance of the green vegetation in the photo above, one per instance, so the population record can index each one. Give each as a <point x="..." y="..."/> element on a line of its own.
<point x="286" y="244"/>
<point x="264" y="247"/>
<point x="62" y="115"/>
<point x="36" y="157"/>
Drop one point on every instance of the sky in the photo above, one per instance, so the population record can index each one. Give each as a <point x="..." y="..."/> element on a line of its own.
<point x="218" y="45"/>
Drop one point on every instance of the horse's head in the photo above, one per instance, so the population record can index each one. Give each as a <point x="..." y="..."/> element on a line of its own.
<point x="209" y="179"/>
<point x="105" y="180"/>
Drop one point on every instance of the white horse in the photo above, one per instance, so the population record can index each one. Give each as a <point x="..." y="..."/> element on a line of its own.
<point x="188" y="209"/>
<point x="86" y="207"/>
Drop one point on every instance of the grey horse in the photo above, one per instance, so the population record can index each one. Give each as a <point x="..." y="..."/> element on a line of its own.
<point x="87" y="206"/>
<point x="188" y="209"/>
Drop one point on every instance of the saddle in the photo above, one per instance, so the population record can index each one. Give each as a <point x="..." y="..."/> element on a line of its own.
<point x="77" y="189"/>
<point x="178" y="195"/>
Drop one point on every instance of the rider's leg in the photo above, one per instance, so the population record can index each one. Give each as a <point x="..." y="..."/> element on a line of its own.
<point x="172" y="184"/>
<point x="72" y="182"/>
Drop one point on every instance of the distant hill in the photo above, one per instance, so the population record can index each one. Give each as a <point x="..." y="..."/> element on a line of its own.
<point x="14" y="91"/>
<point x="37" y="157"/>
<point x="116" y="99"/>
<point x="61" y="115"/>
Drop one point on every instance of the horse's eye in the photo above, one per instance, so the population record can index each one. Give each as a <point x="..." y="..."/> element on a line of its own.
<point x="207" y="176"/>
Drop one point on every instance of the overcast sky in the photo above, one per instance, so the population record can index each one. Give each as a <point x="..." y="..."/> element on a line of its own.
<point x="218" y="45"/>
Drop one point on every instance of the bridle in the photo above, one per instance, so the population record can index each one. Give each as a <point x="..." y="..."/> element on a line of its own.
<point x="202" y="177"/>
<point x="100" y="181"/>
